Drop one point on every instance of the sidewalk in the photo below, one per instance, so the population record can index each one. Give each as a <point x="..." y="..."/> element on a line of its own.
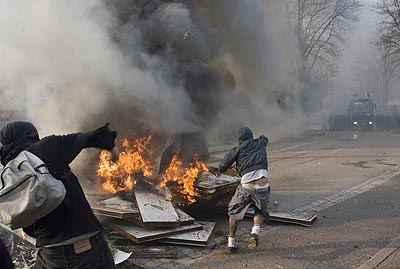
<point x="388" y="257"/>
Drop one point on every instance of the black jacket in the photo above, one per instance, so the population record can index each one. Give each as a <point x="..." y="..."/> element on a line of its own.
<point x="73" y="217"/>
<point x="250" y="155"/>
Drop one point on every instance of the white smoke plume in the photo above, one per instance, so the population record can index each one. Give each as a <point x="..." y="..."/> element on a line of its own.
<point x="74" y="65"/>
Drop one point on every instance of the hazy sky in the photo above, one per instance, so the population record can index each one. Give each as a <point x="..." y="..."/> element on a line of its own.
<point x="354" y="68"/>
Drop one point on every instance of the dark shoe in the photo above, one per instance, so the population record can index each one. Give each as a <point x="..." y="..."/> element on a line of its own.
<point x="233" y="249"/>
<point x="232" y="245"/>
<point x="253" y="241"/>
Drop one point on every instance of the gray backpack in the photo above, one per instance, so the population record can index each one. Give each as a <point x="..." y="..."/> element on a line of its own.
<point x="28" y="191"/>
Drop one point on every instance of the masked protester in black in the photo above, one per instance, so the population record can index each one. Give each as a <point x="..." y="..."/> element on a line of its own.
<point x="70" y="236"/>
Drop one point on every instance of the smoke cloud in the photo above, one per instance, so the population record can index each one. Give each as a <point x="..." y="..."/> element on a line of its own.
<point x="73" y="65"/>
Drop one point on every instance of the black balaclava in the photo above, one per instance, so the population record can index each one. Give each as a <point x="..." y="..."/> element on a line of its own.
<point x="16" y="136"/>
<point x="244" y="134"/>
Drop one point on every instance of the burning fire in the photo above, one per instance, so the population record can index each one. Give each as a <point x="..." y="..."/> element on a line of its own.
<point x="134" y="162"/>
<point x="184" y="176"/>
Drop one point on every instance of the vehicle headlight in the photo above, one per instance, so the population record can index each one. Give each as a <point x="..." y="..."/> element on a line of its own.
<point x="370" y="122"/>
<point x="355" y="123"/>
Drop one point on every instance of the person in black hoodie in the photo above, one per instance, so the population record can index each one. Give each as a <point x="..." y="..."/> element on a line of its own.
<point x="251" y="162"/>
<point x="70" y="236"/>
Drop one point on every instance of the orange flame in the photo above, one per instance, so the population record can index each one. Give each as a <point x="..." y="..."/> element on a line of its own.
<point x="133" y="160"/>
<point x="184" y="176"/>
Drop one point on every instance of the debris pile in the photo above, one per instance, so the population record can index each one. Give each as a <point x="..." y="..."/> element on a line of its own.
<point x="142" y="223"/>
<point x="143" y="215"/>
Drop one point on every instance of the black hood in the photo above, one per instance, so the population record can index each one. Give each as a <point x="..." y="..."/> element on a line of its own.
<point x="244" y="134"/>
<point x="16" y="136"/>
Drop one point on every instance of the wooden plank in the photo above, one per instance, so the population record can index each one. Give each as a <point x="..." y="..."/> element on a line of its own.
<point x="120" y="214"/>
<point x="209" y="181"/>
<point x="140" y="234"/>
<point x="20" y="233"/>
<point x="119" y="204"/>
<point x="198" y="238"/>
<point x="154" y="210"/>
<point x="116" y="207"/>
<point x="143" y="250"/>
<point x="96" y="196"/>
<point x="211" y="186"/>
<point x="153" y="252"/>
<point x="299" y="219"/>
<point x="119" y="208"/>
<point x="184" y="218"/>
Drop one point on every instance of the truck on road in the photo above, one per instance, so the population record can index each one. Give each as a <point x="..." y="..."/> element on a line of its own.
<point x="361" y="113"/>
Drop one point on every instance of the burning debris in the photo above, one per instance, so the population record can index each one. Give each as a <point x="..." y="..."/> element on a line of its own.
<point x="133" y="163"/>
<point x="139" y="209"/>
<point x="184" y="177"/>
<point x="134" y="167"/>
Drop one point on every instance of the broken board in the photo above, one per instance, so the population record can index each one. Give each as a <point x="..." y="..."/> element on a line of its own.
<point x="119" y="208"/>
<point x="141" y="251"/>
<point x="116" y="207"/>
<point x="198" y="238"/>
<point x="184" y="218"/>
<point x="20" y="233"/>
<point x="154" y="210"/>
<point x="215" y="192"/>
<point x="139" y="234"/>
<point x="154" y="252"/>
<point x="209" y="184"/>
<point x="299" y="219"/>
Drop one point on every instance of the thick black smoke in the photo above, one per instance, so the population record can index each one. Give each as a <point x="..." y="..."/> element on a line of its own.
<point x="159" y="67"/>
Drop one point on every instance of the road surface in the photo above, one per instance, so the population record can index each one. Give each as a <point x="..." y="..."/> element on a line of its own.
<point x="351" y="180"/>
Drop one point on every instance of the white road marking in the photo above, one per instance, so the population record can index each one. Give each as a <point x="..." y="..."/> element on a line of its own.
<point x="382" y="255"/>
<point x="349" y="193"/>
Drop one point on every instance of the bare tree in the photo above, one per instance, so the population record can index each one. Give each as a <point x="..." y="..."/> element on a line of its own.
<point x="390" y="26"/>
<point x="320" y="28"/>
<point x="387" y="70"/>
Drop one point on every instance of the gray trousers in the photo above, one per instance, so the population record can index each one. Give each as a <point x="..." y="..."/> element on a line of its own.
<point x="244" y="198"/>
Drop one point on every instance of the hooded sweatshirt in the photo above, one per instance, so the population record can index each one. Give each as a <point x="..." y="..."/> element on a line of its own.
<point x="73" y="217"/>
<point x="250" y="155"/>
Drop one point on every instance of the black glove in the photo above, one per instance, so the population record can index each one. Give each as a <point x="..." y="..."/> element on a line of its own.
<point x="108" y="136"/>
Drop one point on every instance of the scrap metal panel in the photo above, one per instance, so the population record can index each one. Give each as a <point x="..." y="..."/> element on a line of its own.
<point x="154" y="210"/>
<point x="139" y="234"/>
<point x="198" y="238"/>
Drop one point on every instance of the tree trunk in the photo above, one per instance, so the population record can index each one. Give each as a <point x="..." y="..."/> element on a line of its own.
<point x="385" y="92"/>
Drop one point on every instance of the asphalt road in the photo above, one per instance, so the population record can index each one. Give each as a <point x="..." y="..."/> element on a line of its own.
<point x="351" y="181"/>
<point x="351" y="230"/>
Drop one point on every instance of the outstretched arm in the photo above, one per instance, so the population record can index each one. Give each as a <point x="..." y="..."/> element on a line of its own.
<point x="228" y="160"/>
<point x="73" y="144"/>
